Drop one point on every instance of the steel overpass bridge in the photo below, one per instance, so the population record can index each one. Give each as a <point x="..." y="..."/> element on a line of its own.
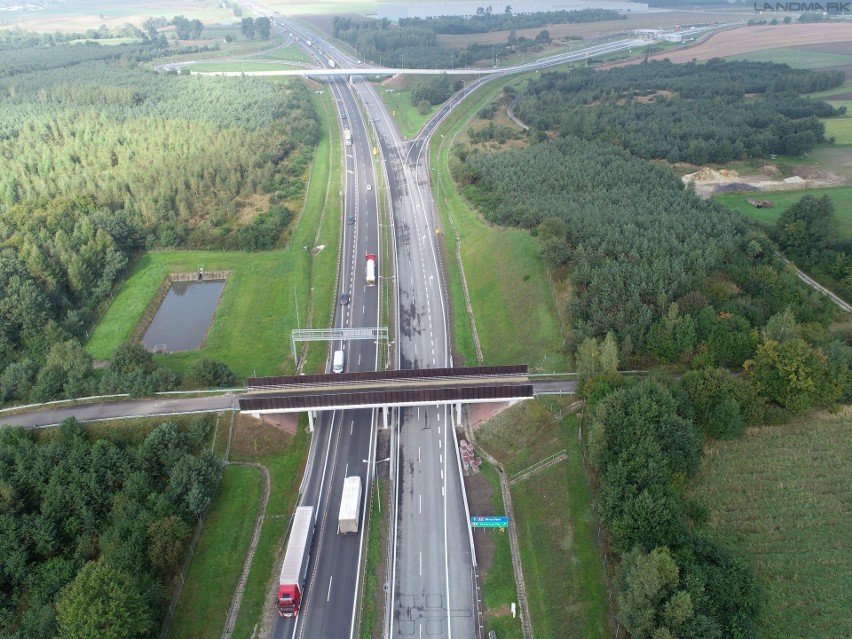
<point x="386" y="389"/>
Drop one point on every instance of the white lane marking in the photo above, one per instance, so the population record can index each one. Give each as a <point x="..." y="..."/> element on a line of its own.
<point x="328" y="598"/>
<point x="351" y="426"/>
<point x="442" y="474"/>
<point x="346" y="472"/>
<point x="421" y="562"/>
<point x="439" y="443"/>
<point x="359" y="360"/>
<point x="441" y="458"/>
<point x="421" y="503"/>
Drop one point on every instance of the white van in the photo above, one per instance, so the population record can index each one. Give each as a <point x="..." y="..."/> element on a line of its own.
<point x="338" y="362"/>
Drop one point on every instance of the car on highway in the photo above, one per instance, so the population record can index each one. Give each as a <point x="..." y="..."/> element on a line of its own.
<point x="344" y="298"/>
<point x="350" y="220"/>
<point x="369" y="187"/>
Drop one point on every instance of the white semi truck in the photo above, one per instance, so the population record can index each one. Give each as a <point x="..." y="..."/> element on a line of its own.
<point x="350" y="506"/>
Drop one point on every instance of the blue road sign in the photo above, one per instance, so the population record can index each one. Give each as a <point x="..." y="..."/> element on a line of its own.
<point x="489" y="522"/>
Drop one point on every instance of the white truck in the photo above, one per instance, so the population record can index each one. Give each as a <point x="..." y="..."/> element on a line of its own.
<point x="331" y="63"/>
<point x="339" y="362"/>
<point x="347" y="136"/>
<point x="291" y="583"/>
<point x="350" y="506"/>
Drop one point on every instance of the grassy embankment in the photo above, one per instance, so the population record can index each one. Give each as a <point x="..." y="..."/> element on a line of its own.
<point x="284" y="456"/>
<point x="218" y="559"/>
<point x="242" y="66"/>
<point x="251" y="327"/>
<point x="510" y="289"/>
<point x="562" y="568"/>
<point x="398" y="101"/>
<point x="779" y="498"/>
<point x="373" y="596"/>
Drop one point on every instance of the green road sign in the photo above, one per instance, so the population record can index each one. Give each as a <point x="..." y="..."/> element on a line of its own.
<point x="489" y="522"/>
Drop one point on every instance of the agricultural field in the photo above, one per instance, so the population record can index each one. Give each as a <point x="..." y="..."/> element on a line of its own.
<point x="79" y="15"/>
<point x="779" y="499"/>
<point x="781" y="200"/>
<point x="556" y="532"/>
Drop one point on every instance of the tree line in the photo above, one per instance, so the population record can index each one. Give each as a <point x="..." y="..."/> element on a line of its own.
<point x="487" y="21"/>
<point x="93" y="532"/>
<point x="417" y="46"/>
<point x="696" y="113"/>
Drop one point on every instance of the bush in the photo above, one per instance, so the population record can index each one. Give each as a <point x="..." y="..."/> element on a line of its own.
<point x="210" y="373"/>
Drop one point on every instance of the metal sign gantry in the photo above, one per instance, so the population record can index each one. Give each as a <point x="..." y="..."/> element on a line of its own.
<point x="378" y="333"/>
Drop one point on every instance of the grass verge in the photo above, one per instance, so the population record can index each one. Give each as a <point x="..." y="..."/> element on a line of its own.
<point x="407" y="117"/>
<point x="218" y="560"/>
<point x="498" y="584"/>
<point x="779" y="499"/>
<point x="510" y="289"/>
<point x="284" y="457"/>
<point x="370" y="600"/>
<point x="562" y="569"/>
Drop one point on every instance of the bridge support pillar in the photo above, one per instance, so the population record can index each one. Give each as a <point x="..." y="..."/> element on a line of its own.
<point x="311" y="421"/>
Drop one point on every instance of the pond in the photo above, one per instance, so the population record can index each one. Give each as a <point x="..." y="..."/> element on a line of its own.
<point x="182" y="321"/>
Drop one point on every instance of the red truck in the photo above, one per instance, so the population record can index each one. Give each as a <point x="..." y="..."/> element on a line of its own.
<point x="371" y="270"/>
<point x="291" y="584"/>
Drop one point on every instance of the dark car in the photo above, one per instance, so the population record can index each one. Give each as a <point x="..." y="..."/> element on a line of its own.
<point x="350" y="219"/>
<point x="344" y="298"/>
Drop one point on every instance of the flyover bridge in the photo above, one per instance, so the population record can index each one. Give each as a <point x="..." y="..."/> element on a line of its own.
<point x="386" y="389"/>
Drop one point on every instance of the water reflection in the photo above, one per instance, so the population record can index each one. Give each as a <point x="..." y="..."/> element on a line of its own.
<point x="182" y="321"/>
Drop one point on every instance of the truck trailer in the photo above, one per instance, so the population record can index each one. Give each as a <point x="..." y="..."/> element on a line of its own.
<point x="347" y="136"/>
<point x="291" y="584"/>
<point x="371" y="270"/>
<point x="350" y="506"/>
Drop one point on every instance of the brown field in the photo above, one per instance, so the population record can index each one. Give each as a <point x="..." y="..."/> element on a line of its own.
<point x="757" y="38"/>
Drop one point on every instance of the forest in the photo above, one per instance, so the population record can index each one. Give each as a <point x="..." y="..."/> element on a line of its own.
<point x="487" y="21"/>
<point x="660" y="278"/>
<point x="416" y="46"/>
<point x="696" y="113"/>
<point x="93" y="531"/>
<point x="103" y="159"/>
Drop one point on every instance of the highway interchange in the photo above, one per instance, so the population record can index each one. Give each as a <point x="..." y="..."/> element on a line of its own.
<point x="431" y="588"/>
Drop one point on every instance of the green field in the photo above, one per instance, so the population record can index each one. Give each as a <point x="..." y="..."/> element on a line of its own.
<point x="840" y="129"/>
<point x="780" y="499"/>
<point x="241" y="66"/>
<point x="841" y="197"/>
<point x="257" y="310"/>
<point x="408" y="119"/>
<point x="562" y="568"/>
<point x="218" y="559"/>
<point x="797" y="58"/>
<point x="79" y="15"/>
<point x="511" y="294"/>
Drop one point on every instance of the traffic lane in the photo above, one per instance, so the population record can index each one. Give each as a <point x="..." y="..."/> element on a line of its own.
<point x="332" y="595"/>
<point x="420" y="597"/>
<point x="121" y="409"/>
